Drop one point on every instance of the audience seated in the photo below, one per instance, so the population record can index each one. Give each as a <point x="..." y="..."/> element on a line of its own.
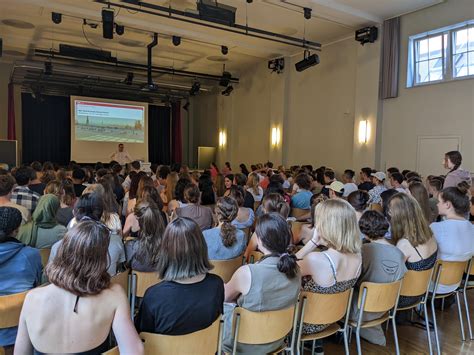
<point x="78" y="177"/>
<point x="241" y="180"/>
<point x="90" y="206"/>
<point x="131" y="194"/>
<point x="20" y="265"/>
<point x="36" y="184"/>
<point x="366" y="179"/>
<point x="254" y="188"/>
<point x="188" y="298"/>
<point x="381" y="263"/>
<point x="141" y="252"/>
<point x="191" y="208"/>
<point x="75" y="313"/>
<point x="307" y="229"/>
<point x="302" y="196"/>
<point x="219" y="185"/>
<point x="396" y="181"/>
<point x="360" y="201"/>
<point x="271" y="284"/>
<point x="21" y="194"/>
<point x="225" y="241"/>
<point x="420" y="194"/>
<point x="337" y="268"/>
<point x="179" y="200"/>
<point x="228" y="182"/>
<point x="7" y="183"/>
<point x="43" y="230"/>
<point x="64" y="214"/>
<point x="411" y="234"/>
<point x="245" y="216"/>
<point x="348" y="180"/>
<point x="168" y="193"/>
<point x="455" y="233"/>
<point x="378" y="180"/>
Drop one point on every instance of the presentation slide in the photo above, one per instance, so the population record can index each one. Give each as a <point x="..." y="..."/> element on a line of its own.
<point x="98" y="126"/>
<point x="109" y="122"/>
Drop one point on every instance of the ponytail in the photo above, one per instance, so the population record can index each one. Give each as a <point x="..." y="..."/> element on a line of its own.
<point x="226" y="210"/>
<point x="288" y="263"/>
<point x="458" y="198"/>
<point x="228" y="234"/>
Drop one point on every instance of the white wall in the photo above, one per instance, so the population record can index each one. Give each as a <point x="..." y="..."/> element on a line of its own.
<point x="438" y="109"/>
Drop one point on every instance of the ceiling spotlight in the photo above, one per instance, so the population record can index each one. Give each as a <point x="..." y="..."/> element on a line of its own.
<point x="56" y="17"/>
<point x="195" y="88"/>
<point x="307" y="62"/>
<point x="48" y="68"/>
<point x="228" y="90"/>
<point x="176" y="40"/>
<point x="108" y="23"/>
<point x="225" y="78"/>
<point x="119" y="29"/>
<point x="186" y="106"/>
<point x="249" y="1"/>
<point x="129" y="79"/>
<point x="224" y="50"/>
<point x="307" y="13"/>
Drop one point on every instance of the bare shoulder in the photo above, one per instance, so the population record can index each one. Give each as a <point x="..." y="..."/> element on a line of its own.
<point x="242" y="272"/>
<point x="404" y="244"/>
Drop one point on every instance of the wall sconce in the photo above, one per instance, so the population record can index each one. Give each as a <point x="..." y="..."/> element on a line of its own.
<point x="275" y="136"/>
<point x="364" y="131"/>
<point x="222" y="139"/>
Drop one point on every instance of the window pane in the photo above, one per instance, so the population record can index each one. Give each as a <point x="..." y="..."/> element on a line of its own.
<point x="435" y="45"/>
<point x="422" y="50"/>
<point x="460" y="41"/>
<point x="436" y="69"/>
<point x="471" y="39"/>
<point x="460" y="65"/>
<point x="471" y="63"/>
<point x="422" y="72"/>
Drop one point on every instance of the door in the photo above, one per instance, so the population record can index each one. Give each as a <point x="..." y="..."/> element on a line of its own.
<point x="430" y="153"/>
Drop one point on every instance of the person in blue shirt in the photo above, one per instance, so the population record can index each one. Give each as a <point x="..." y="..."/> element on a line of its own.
<point x="20" y="265"/>
<point x="301" y="199"/>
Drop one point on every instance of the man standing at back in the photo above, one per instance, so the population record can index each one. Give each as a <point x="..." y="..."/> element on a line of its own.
<point x="21" y="194"/>
<point x="121" y="156"/>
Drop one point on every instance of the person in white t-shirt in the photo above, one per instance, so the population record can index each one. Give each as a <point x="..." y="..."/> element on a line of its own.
<point x="396" y="180"/>
<point x="455" y="235"/>
<point x="348" y="180"/>
<point x="121" y="156"/>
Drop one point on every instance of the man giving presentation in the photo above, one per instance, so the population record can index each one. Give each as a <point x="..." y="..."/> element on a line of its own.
<point x="121" y="156"/>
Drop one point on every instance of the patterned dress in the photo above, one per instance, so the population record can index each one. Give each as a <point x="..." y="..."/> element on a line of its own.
<point x="338" y="286"/>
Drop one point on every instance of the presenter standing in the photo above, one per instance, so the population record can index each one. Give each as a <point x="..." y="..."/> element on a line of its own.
<point x="121" y="156"/>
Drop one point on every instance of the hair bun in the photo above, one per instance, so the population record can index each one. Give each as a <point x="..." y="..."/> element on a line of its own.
<point x="463" y="187"/>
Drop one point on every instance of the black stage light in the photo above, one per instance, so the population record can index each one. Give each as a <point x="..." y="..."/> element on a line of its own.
<point x="119" y="29"/>
<point x="307" y="62"/>
<point x="228" y="90"/>
<point x="1" y="47"/>
<point x="56" y="17"/>
<point x="108" y="23"/>
<point x="48" y="68"/>
<point x="225" y="79"/>
<point x="186" y="106"/>
<point x="249" y="1"/>
<point x="195" y="88"/>
<point x="129" y="79"/>
<point x="176" y="40"/>
<point x="307" y="13"/>
<point x="224" y="50"/>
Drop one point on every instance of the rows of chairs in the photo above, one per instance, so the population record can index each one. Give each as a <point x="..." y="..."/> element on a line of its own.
<point x="264" y="327"/>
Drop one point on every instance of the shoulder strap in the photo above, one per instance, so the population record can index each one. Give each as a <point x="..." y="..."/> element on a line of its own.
<point x="333" y="266"/>
<point x="422" y="258"/>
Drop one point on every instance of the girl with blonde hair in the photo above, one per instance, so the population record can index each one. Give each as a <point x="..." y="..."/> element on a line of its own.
<point x="254" y="188"/>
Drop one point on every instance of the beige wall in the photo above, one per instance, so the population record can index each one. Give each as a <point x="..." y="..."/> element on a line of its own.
<point x="431" y="110"/>
<point x="5" y="70"/>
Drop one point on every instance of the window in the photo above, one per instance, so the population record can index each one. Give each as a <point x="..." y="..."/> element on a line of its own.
<point x="442" y="55"/>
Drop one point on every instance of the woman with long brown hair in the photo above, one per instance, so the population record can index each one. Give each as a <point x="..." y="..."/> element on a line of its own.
<point x="420" y="194"/>
<point x="58" y="318"/>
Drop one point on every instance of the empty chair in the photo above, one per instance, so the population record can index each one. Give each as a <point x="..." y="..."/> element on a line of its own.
<point x="226" y="268"/>
<point x="317" y="308"/>
<point x="377" y="297"/>
<point x="258" y="328"/>
<point x="447" y="273"/>
<point x="298" y="212"/>
<point x="205" y="341"/>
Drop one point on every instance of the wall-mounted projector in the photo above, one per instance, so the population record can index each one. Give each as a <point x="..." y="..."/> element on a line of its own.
<point x="308" y="61"/>
<point x="366" y="35"/>
<point x="210" y="10"/>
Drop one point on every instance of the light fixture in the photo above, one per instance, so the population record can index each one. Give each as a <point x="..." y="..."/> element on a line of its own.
<point x="308" y="61"/>
<point x="56" y="17"/>
<point x="364" y="131"/>
<point x="275" y="139"/>
<point x="108" y="23"/>
<point x="48" y="68"/>
<point x="222" y="139"/>
<point x="195" y="88"/>
<point x="228" y="90"/>
<point x="176" y="40"/>
<point x="224" y="50"/>
<point x="129" y="79"/>
<point x="307" y="13"/>
<point x="119" y="29"/>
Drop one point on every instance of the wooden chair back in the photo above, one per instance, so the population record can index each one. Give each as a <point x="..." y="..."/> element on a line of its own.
<point x="376" y="207"/>
<point x="113" y="351"/>
<point x="262" y="327"/>
<point x="416" y="283"/>
<point x="144" y="280"/>
<point x="471" y="269"/>
<point x="44" y="253"/>
<point x="451" y="272"/>
<point x="318" y="308"/>
<point x="206" y="341"/>
<point x="296" y="229"/>
<point x="381" y="297"/>
<point x="255" y="256"/>
<point x="226" y="268"/>
<point x="10" y="309"/>
<point x="122" y="280"/>
<point x="298" y="212"/>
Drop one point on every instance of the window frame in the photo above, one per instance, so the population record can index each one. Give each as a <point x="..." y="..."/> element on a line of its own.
<point x="447" y="74"/>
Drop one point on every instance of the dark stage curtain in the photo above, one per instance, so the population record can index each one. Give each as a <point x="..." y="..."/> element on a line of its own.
<point x="46" y="129"/>
<point x="159" y="139"/>
<point x="177" y="150"/>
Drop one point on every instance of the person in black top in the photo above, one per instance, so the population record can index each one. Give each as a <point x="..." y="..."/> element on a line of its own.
<point x="366" y="184"/>
<point x="78" y="176"/>
<point x="189" y="298"/>
<point x="241" y="180"/>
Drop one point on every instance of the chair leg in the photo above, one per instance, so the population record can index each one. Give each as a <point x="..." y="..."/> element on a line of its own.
<point x="395" y="336"/>
<point x="346" y="342"/>
<point x="427" y="321"/>
<point x="461" y="323"/>
<point x="468" y="316"/>
<point x="442" y="304"/>
<point x="359" y="348"/>
<point x="435" y="326"/>
<point x="313" y="347"/>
